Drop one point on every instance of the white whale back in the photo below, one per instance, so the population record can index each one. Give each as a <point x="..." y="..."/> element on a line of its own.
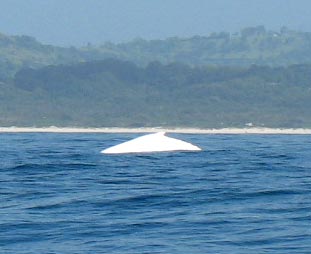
<point x="156" y="142"/>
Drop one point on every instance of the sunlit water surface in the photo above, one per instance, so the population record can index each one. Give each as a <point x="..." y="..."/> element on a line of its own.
<point x="241" y="194"/>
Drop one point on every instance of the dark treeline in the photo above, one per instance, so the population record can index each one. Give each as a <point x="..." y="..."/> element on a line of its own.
<point x="118" y="93"/>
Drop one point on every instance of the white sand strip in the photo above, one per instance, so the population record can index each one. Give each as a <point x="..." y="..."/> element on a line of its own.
<point x="252" y="130"/>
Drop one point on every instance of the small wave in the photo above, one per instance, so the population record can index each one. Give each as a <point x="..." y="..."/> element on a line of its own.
<point x="29" y="166"/>
<point x="280" y="192"/>
<point x="152" y="200"/>
<point x="34" y="166"/>
<point x="62" y="204"/>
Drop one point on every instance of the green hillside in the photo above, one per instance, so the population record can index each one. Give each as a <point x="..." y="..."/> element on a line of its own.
<point x="220" y="80"/>
<point x="254" y="45"/>
<point x="17" y="52"/>
<point x="117" y="93"/>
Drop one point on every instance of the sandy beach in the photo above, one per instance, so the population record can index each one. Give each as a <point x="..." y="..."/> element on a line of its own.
<point x="253" y="130"/>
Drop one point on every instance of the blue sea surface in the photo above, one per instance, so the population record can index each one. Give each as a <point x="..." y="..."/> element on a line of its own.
<point x="241" y="194"/>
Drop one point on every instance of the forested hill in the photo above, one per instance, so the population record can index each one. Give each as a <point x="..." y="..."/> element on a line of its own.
<point x="17" y="52"/>
<point x="253" y="45"/>
<point x="250" y="46"/>
<point x="117" y="93"/>
<point x="256" y="76"/>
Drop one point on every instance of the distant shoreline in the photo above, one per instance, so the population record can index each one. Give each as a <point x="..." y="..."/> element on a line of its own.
<point x="253" y="130"/>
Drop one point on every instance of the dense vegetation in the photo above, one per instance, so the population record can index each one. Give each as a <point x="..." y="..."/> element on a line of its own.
<point x="254" y="77"/>
<point x="251" y="46"/>
<point x="118" y="93"/>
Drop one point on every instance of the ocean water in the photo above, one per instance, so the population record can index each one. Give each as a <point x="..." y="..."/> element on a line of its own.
<point x="241" y="194"/>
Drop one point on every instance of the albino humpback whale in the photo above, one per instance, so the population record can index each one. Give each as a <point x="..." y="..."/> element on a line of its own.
<point x="156" y="142"/>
